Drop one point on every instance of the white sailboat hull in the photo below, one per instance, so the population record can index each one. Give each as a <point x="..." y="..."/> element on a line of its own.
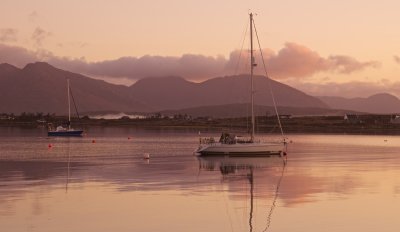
<point x="242" y="149"/>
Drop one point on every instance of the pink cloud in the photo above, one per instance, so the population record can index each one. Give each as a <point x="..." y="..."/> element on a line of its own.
<point x="39" y="35"/>
<point x="396" y="59"/>
<point x="292" y="61"/>
<point x="298" y="61"/>
<point x="346" y="64"/>
<point x="8" y="35"/>
<point x="33" y="16"/>
<point x="295" y="61"/>
<point x="17" y="56"/>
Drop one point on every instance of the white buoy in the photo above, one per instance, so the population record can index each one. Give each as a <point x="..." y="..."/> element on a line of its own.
<point x="146" y="156"/>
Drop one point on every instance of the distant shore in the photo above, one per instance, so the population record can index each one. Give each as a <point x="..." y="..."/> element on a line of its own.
<point x="304" y="124"/>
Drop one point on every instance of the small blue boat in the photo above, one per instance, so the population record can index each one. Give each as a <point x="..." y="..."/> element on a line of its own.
<point x="62" y="131"/>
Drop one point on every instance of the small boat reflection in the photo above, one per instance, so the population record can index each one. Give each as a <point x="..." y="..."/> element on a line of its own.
<point x="68" y="165"/>
<point x="234" y="167"/>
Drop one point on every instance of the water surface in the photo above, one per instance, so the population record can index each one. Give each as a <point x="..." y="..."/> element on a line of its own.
<point x="102" y="183"/>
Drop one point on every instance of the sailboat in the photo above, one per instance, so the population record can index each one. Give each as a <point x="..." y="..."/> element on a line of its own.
<point x="232" y="145"/>
<point x="68" y="130"/>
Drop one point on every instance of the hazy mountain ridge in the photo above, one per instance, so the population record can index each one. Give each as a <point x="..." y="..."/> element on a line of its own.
<point x="40" y="87"/>
<point x="382" y="103"/>
<point x="176" y="93"/>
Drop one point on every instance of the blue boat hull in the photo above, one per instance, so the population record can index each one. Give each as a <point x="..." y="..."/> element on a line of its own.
<point x="65" y="133"/>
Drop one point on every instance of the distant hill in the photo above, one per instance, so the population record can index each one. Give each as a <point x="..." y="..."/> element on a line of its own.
<point x="177" y="93"/>
<point x="40" y="87"/>
<point x="382" y="103"/>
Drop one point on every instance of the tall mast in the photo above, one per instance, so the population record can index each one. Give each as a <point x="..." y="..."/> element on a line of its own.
<point x="69" y="107"/>
<point x="251" y="77"/>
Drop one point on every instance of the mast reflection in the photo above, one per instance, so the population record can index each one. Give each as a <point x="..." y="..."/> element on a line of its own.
<point x="245" y="168"/>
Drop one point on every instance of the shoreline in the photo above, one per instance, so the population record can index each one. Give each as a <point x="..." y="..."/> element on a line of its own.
<point x="264" y="125"/>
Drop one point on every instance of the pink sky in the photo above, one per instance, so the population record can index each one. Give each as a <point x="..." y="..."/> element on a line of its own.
<point x="321" y="47"/>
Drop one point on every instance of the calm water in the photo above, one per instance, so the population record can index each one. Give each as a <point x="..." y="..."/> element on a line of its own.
<point x="102" y="183"/>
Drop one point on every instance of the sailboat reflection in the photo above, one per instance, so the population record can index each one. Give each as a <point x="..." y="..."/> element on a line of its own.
<point x="233" y="168"/>
<point x="68" y="165"/>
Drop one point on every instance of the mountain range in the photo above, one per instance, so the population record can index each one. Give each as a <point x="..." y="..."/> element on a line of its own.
<point x="177" y="93"/>
<point x="40" y="87"/>
<point x="381" y="103"/>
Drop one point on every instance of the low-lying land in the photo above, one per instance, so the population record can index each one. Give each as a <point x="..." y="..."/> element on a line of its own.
<point x="373" y="124"/>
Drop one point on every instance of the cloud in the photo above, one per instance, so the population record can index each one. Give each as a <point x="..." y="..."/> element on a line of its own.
<point x="194" y="67"/>
<point x="297" y="61"/>
<point x="19" y="56"/>
<point x="16" y="55"/>
<point x="8" y="35"/>
<point x="126" y="70"/>
<point x="346" y="64"/>
<point x="39" y="35"/>
<point x="33" y="16"/>
<point x="292" y="61"/>
<point x="397" y="59"/>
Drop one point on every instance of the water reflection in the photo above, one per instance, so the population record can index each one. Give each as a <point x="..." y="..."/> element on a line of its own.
<point x="68" y="165"/>
<point x="234" y="169"/>
<point x="327" y="177"/>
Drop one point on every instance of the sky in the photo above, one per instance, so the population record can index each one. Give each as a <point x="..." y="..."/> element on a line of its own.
<point x="343" y="48"/>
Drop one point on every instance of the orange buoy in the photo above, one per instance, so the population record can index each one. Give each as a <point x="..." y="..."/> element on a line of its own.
<point x="49" y="146"/>
<point x="93" y="141"/>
